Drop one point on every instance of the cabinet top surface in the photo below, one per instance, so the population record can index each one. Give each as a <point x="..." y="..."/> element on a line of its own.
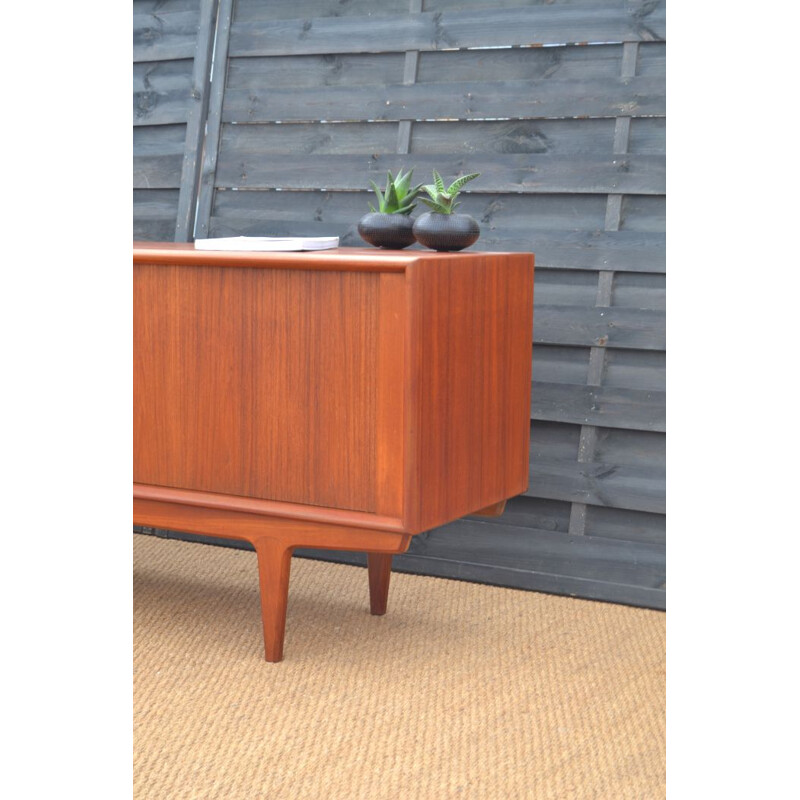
<point x="350" y="258"/>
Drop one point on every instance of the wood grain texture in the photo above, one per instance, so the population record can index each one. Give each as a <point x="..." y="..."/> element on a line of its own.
<point x="482" y="27"/>
<point x="596" y="97"/>
<point x="250" y="527"/>
<point x="599" y="405"/>
<point x="380" y="571"/>
<point x="236" y="394"/>
<point x="161" y="36"/>
<point x="516" y="172"/>
<point x="471" y="366"/>
<point x="395" y="384"/>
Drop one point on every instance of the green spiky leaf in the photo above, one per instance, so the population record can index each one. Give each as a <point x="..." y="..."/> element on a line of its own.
<point x="456" y="185"/>
<point x="437" y="179"/>
<point x="391" y="197"/>
<point x="396" y="198"/>
<point x="401" y="183"/>
<point x="434" y="206"/>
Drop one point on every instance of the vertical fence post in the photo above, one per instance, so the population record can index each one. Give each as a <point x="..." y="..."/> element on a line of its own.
<point x="196" y="120"/>
<point x="219" y="71"/>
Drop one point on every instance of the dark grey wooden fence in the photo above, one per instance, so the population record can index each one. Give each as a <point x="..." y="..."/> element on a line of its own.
<point x="561" y="106"/>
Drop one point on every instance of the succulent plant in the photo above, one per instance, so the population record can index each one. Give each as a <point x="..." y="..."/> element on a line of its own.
<point x="397" y="197"/>
<point x="441" y="199"/>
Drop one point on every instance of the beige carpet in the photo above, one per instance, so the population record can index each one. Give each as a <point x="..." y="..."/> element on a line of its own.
<point x="460" y="691"/>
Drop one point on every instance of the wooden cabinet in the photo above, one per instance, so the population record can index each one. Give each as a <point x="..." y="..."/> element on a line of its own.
<point x="343" y="399"/>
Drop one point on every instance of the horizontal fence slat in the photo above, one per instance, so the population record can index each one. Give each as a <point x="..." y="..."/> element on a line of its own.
<point x="609" y="407"/>
<point x="629" y="525"/>
<point x="528" y="99"/>
<point x="544" y="551"/>
<point x="581" y="250"/>
<point x="443" y="67"/>
<point x="594" y="250"/>
<point x="158" y="156"/>
<point x="165" y="36"/>
<point x="524" y="172"/>
<point x="155" y="229"/>
<point x="638" y="488"/>
<point x="161" y="108"/>
<point x="502" y="137"/>
<point x="487" y="27"/>
<point x="157" y="171"/>
<point x="642" y="329"/>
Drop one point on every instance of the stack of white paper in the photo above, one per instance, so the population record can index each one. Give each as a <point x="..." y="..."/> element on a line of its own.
<point x="268" y="243"/>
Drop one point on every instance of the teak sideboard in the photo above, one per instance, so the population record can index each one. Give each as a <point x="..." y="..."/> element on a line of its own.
<point x="346" y="399"/>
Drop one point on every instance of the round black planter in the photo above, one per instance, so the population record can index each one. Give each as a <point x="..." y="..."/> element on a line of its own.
<point x="386" y="230"/>
<point x="446" y="231"/>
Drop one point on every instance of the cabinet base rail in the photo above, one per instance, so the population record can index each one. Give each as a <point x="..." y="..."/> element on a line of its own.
<point x="274" y="539"/>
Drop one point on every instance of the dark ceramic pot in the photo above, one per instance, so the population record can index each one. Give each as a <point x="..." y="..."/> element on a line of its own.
<point x="446" y="231"/>
<point x="386" y="230"/>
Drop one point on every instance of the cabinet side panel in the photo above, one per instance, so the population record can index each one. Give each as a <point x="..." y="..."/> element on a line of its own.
<point x="257" y="382"/>
<point x="473" y="355"/>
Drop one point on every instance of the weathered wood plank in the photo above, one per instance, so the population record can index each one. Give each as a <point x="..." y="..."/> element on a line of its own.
<point x="533" y="512"/>
<point x="629" y="447"/>
<point x="157" y="156"/>
<point x="590" y="250"/>
<point x="154" y="6"/>
<point x="160" y="108"/>
<point x="252" y="10"/>
<point x="590" y="97"/>
<point x="566" y="137"/>
<point x="639" y="488"/>
<point x="460" y="5"/>
<point x="163" y="36"/>
<point x="442" y="67"/>
<point x="485" y="27"/>
<point x="309" y="72"/>
<point x="640" y="291"/>
<point x="520" y="63"/>
<point x="636" y="369"/>
<point x="632" y="526"/>
<point x="652" y="59"/>
<point x="600" y="327"/>
<point x="154" y="214"/>
<point x="161" y="92"/>
<point x="508" y="173"/>
<point x="648" y="135"/>
<point x="609" y="406"/>
<point x="345" y="138"/>
<point x="560" y="364"/>
<point x="157" y="171"/>
<point x="535" y="550"/>
<point x="553" y="516"/>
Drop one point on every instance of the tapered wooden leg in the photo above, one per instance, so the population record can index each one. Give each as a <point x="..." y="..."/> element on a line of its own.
<point x="380" y="571"/>
<point x="274" y="561"/>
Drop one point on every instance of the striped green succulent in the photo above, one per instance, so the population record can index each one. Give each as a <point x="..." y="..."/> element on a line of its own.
<point x="398" y="196"/>
<point x="441" y="199"/>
